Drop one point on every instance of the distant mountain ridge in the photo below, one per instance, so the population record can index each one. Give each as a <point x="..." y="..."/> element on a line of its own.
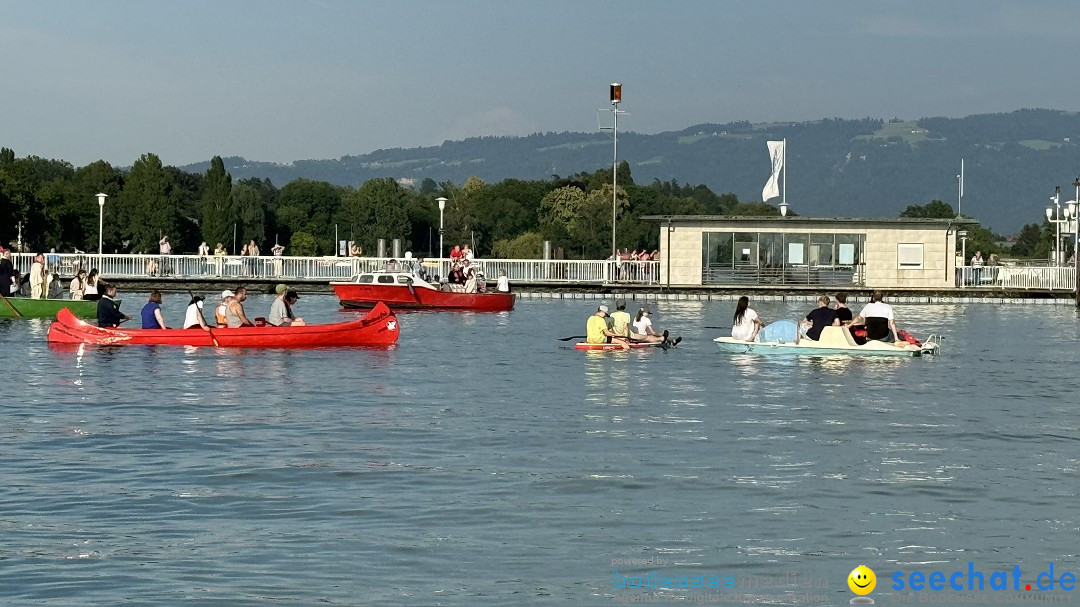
<point x="836" y="167"/>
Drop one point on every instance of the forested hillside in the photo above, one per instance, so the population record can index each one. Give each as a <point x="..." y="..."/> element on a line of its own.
<point x="868" y="167"/>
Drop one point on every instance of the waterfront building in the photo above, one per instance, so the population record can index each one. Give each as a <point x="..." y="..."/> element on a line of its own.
<point x="792" y="252"/>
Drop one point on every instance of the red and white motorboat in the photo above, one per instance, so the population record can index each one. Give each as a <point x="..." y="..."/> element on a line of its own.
<point x="402" y="290"/>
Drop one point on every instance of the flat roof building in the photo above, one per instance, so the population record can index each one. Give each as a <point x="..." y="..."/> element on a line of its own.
<point x="717" y="250"/>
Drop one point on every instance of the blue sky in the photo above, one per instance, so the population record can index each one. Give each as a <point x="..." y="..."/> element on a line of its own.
<point x="285" y="80"/>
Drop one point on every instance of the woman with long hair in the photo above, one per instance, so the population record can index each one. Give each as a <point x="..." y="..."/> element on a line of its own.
<point x="78" y="285"/>
<point x="746" y="323"/>
<point x="90" y="286"/>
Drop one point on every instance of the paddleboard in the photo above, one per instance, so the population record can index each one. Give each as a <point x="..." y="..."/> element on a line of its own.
<point x="581" y="345"/>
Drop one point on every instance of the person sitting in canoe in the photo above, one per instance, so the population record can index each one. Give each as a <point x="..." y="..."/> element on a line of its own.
<point x="746" y="321"/>
<point x="151" y="312"/>
<point x="290" y="301"/>
<point x="280" y="313"/>
<point x="597" y="331"/>
<point x="193" y="316"/>
<point x="219" y="311"/>
<point x="108" y="310"/>
<point x="643" y="331"/>
<point x="234" y="312"/>
<point x="818" y="318"/>
<point x="503" y="285"/>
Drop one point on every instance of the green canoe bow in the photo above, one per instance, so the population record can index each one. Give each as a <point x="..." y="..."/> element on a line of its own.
<point x="46" y="308"/>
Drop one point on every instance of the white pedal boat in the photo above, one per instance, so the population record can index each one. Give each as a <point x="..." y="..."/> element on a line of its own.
<point x="834" y="340"/>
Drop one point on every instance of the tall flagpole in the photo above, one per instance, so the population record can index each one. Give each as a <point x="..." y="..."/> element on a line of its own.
<point x="783" y="200"/>
<point x="960" y="187"/>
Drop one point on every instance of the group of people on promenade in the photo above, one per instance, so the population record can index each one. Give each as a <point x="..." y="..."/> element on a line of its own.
<point x="619" y="328"/>
<point x="627" y="267"/>
<point x="43" y="281"/>
<point x="229" y="313"/>
<point x="876" y="320"/>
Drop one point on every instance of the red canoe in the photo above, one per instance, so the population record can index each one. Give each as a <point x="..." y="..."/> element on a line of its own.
<point x="401" y="290"/>
<point x="378" y="327"/>
<point x="584" y="345"/>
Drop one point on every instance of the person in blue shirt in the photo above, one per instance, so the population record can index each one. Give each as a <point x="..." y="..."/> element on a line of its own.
<point x="151" y="312"/>
<point x="108" y="310"/>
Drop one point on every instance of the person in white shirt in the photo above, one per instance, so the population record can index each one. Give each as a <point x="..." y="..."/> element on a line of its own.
<point x="878" y="318"/>
<point x="643" y="330"/>
<point x="746" y="322"/>
<point x="38" y="277"/>
<point x="503" y="286"/>
<point x="193" y="317"/>
<point x="204" y="249"/>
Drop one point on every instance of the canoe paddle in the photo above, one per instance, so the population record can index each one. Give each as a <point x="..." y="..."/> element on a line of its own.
<point x="203" y="319"/>
<point x="16" y="312"/>
<point x="572" y="337"/>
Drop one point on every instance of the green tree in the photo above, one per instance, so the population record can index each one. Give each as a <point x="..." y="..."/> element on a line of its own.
<point x="303" y="243"/>
<point x="308" y="206"/>
<point x="1030" y="243"/>
<point x="217" y="204"/>
<point x="250" y="214"/>
<point x="755" y="209"/>
<point x="529" y="245"/>
<point x="935" y="209"/>
<point x="377" y="209"/>
<point x="147" y="201"/>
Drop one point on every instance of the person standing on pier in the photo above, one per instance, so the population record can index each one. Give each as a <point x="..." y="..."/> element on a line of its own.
<point x="7" y="274"/>
<point x="38" y="277"/>
<point x="164" y="248"/>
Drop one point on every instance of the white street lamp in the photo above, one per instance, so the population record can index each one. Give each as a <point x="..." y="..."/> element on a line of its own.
<point x="616" y="97"/>
<point x="1053" y="215"/>
<point x="442" y="205"/>
<point x="1075" y="206"/>
<point x="101" y="223"/>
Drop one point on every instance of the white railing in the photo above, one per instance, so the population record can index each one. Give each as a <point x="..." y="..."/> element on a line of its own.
<point x="194" y="267"/>
<point x="1040" y="278"/>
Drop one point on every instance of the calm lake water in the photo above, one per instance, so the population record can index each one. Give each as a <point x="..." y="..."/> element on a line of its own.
<point x="482" y="462"/>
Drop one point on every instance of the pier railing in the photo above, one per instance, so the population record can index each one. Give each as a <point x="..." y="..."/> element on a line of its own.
<point x="306" y="269"/>
<point x="1016" y="278"/>
<point x="520" y="271"/>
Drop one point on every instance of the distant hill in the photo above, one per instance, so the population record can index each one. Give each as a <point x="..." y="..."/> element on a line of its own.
<point x="836" y="167"/>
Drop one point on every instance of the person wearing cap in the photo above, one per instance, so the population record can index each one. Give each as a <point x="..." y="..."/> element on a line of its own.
<point x="280" y="314"/>
<point x="193" y="317"/>
<point x="597" y="331"/>
<point x="643" y="331"/>
<point x="219" y="311"/>
<point x="290" y="300"/>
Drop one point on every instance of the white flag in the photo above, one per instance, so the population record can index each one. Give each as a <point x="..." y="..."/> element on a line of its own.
<point x="772" y="186"/>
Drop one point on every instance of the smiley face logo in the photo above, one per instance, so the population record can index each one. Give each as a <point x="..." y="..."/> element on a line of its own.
<point x="862" y="580"/>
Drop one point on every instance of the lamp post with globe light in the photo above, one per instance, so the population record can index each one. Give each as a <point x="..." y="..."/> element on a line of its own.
<point x="1053" y="215"/>
<point x="101" y="223"/>
<point x="442" y="205"/>
<point x="1075" y="206"/>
